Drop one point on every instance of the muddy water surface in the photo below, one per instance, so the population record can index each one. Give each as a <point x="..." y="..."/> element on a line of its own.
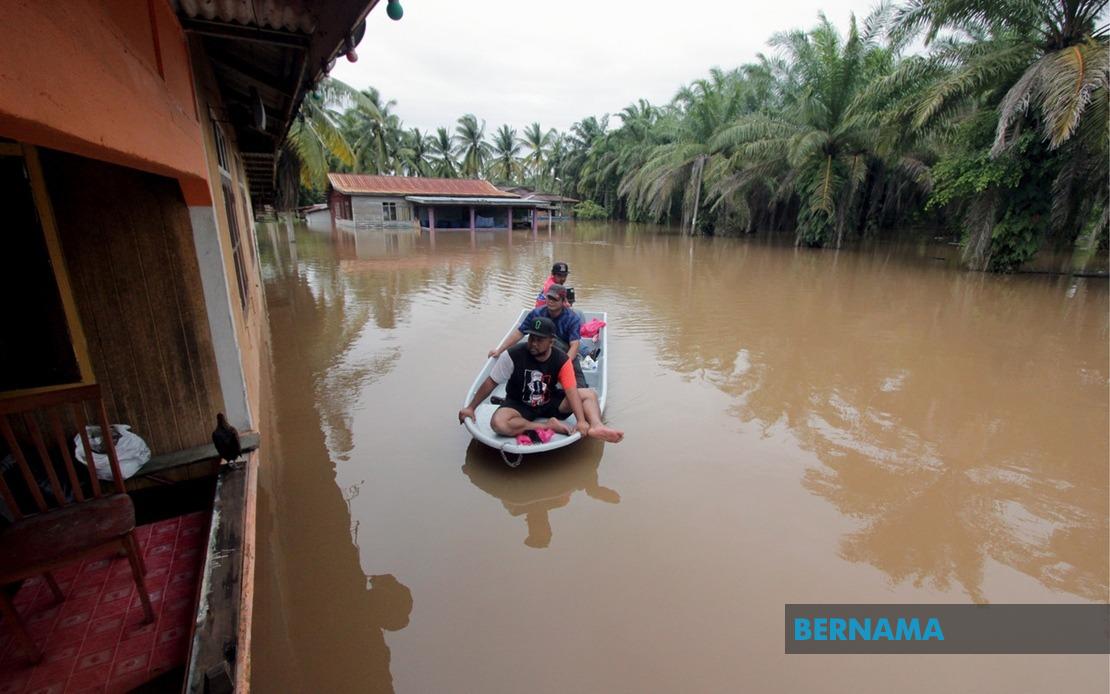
<point x="802" y="426"/>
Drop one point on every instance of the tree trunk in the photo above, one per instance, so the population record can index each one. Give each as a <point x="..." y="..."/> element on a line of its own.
<point x="1086" y="246"/>
<point x="699" y="164"/>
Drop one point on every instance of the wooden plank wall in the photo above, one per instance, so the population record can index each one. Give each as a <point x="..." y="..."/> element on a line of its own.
<point x="129" y="248"/>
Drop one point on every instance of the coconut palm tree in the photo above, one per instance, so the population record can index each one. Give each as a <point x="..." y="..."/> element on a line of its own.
<point x="415" y="153"/>
<point x="556" y="156"/>
<point x="442" y="152"/>
<point x="505" y="165"/>
<point x="376" y="133"/>
<point x="538" y="141"/>
<point x="471" y="145"/>
<point x="316" y="138"/>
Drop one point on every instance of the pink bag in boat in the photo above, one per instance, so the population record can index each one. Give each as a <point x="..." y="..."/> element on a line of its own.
<point x="592" y="328"/>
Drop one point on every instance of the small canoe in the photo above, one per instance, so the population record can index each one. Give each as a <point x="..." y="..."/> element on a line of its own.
<point x="511" y="451"/>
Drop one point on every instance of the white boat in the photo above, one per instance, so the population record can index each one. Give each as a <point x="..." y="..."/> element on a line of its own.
<point x="596" y="378"/>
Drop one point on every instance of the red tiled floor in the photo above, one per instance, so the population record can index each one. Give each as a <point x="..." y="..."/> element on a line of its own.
<point x="96" y="639"/>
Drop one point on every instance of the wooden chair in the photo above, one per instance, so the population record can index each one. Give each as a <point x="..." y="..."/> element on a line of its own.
<point x="95" y="522"/>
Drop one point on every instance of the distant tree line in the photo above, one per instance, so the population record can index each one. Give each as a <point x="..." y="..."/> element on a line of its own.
<point x="997" y="131"/>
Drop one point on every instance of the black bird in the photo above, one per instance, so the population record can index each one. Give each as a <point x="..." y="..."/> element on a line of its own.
<point x="226" y="438"/>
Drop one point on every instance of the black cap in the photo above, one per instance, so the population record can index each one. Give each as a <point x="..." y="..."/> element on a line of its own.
<point x="541" y="327"/>
<point x="560" y="269"/>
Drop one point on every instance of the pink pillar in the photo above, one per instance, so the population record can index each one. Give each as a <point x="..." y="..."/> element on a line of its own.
<point x="535" y="226"/>
<point x="472" y="218"/>
<point x="509" y="219"/>
<point x="431" y="218"/>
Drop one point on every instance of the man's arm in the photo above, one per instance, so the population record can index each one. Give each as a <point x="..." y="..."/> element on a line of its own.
<point x="572" y="351"/>
<point x="574" y="333"/>
<point x="512" y="339"/>
<point x="483" y="392"/>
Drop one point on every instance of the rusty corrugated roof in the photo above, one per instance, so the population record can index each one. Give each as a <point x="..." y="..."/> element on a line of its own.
<point x="364" y="184"/>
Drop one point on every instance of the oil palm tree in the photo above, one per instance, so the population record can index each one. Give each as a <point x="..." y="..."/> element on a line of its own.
<point x="471" y="145"/>
<point x="1039" y="66"/>
<point x="821" y="146"/>
<point x="619" y="152"/>
<point x="505" y="165"/>
<point x="579" y="141"/>
<point x="676" y="168"/>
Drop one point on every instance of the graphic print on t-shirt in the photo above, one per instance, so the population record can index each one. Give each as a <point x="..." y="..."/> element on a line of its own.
<point x="535" y="388"/>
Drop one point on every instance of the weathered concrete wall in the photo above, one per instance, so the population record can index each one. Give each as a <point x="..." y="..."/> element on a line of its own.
<point x="368" y="212"/>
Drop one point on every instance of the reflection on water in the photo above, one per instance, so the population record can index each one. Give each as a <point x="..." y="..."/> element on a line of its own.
<point x="544" y="485"/>
<point x="961" y="417"/>
<point x="803" y="426"/>
<point x="308" y="545"/>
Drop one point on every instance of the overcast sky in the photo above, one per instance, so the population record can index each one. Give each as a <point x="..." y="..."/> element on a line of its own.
<point x="519" y="61"/>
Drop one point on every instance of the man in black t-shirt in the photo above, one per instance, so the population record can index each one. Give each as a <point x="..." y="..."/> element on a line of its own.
<point x="532" y="400"/>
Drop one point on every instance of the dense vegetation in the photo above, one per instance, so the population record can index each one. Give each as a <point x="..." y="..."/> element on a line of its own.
<point x="997" y="130"/>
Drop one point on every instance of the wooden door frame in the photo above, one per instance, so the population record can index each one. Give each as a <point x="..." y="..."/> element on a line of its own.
<point x="30" y="156"/>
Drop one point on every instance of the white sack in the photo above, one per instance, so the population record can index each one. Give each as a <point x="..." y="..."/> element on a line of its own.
<point x="131" y="450"/>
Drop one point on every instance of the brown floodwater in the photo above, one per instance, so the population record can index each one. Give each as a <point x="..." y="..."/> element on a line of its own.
<point x="863" y="426"/>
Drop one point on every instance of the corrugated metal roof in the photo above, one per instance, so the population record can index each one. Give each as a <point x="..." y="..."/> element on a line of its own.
<point x="471" y="200"/>
<point x="282" y="15"/>
<point x="413" y="185"/>
<point x="532" y="194"/>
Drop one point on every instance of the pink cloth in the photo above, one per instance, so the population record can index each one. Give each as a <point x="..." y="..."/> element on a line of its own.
<point x="544" y="435"/>
<point x="541" y="300"/>
<point x="592" y="328"/>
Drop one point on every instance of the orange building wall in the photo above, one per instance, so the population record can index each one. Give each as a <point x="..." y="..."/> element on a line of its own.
<point x="107" y="97"/>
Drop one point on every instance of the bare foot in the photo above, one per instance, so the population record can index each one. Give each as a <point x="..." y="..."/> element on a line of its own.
<point x="606" y="434"/>
<point x="558" y="427"/>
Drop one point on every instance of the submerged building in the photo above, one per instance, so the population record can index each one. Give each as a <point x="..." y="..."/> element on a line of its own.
<point x="365" y="201"/>
<point x="560" y="205"/>
<point x="136" y="139"/>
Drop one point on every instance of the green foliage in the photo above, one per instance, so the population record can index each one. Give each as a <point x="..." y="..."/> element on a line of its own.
<point x="588" y="209"/>
<point x="505" y="166"/>
<point x="1019" y="182"/>
<point x="471" y="146"/>
<point x="967" y="173"/>
<point x="1015" y="239"/>
<point x="997" y="128"/>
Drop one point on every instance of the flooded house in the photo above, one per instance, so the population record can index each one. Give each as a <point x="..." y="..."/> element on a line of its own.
<point x="136" y="139"/>
<point x="364" y="201"/>
<point x="561" y="207"/>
